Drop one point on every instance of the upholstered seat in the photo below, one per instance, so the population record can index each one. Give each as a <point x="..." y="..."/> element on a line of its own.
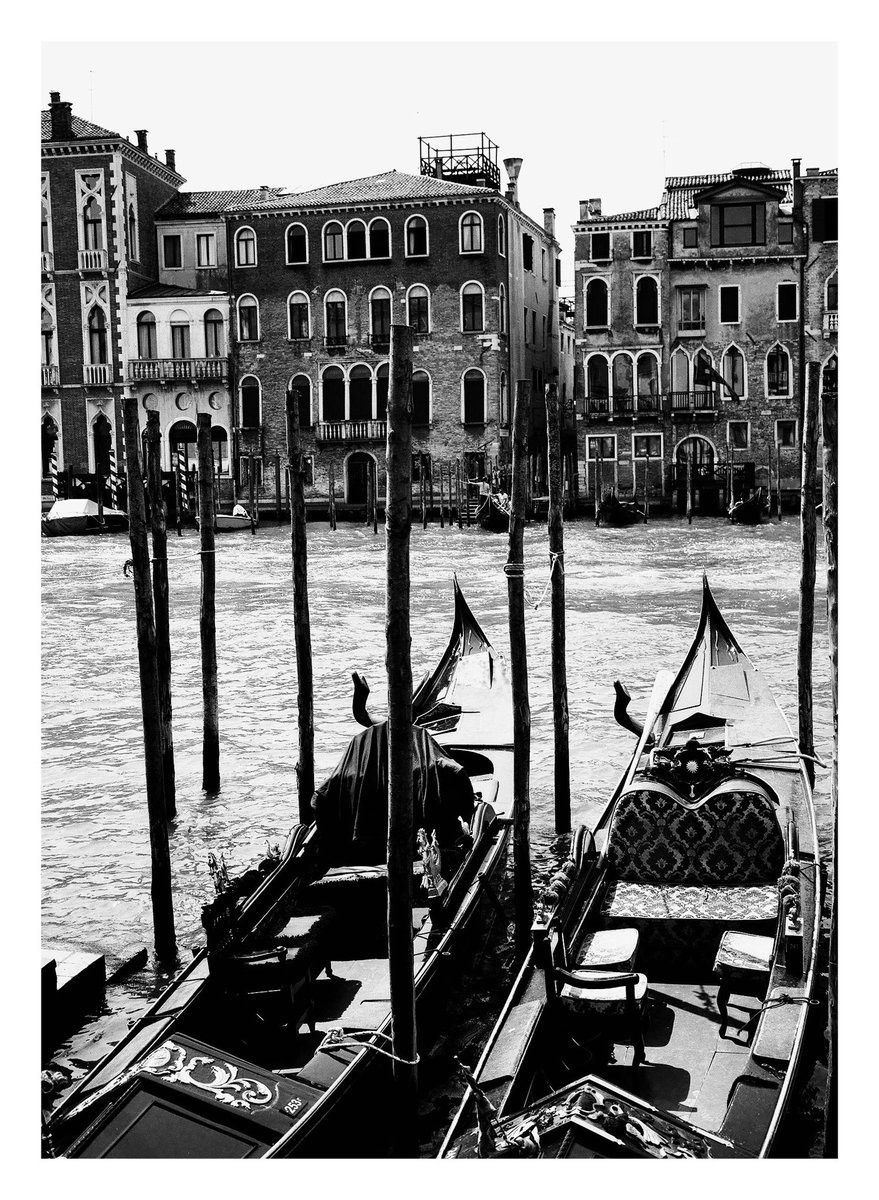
<point x="625" y="900"/>
<point x="611" y="949"/>
<point x="609" y="1001"/>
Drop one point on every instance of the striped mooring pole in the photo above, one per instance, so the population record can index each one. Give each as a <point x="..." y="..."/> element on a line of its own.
<point x="53" y="471"/>
<point x="182" y="482"/>
<point x="114" y="479"/>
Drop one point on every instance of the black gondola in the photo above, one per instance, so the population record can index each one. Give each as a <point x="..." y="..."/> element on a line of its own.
<point x="613" y="511"/>
<point x="494" y="513"/>
<point x="753" y="511"/>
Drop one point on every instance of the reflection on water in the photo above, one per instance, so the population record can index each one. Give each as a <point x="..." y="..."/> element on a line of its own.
<point x="632" y="602"/>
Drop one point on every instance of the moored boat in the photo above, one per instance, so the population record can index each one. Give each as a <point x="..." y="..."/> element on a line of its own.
<point x="73" y="517"/>
<point x="229" y="522"/>
<point x="753" y="511"/>
<point x="613" y="511"/>
<point x="274" y="1041"/>
<point x="494" y="513"/>
<point x="661" y="1010"/>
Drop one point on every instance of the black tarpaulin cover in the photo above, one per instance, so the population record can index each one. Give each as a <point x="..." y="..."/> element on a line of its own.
<point x="351" y="807"/>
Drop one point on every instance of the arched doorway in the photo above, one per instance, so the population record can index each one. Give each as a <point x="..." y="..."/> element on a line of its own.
<point x="102" y="437"/>
<point x="699" y="452"/>
<point x="357" y="471"/>
<point x="48" y="440"/>
<point x="183" y="438"/>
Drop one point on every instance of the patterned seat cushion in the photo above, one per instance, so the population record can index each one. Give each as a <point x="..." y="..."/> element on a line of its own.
<point x="625" y="900"/>
<point x="607" y="1001"/>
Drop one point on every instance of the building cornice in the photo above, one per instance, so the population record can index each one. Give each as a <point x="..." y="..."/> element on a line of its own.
<point x="81" y="146"/>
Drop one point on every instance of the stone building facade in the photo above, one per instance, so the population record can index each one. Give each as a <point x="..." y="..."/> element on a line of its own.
<point x="691" y="320"/>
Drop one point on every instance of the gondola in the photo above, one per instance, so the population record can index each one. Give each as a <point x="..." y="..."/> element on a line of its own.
<point x="274" y="1041"/>
<point x="661" y="1009"/>
<point x="229" y="522"/>
<point x="494" y="513"/>
<point x="74" y="517"/>
<point x="613" y="511"/>
<point x="753" y="511"/>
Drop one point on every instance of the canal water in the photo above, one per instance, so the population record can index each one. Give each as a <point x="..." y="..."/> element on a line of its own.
<point x="633" y="600"/>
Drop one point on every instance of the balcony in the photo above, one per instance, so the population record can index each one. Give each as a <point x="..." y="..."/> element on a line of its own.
<point x="337" y="344"/>
<point x="602" y="408"/>
<point x="97" y="374"/>
<point x="92" y="260"/>
<point x="351" y="431"/>
<point x="831" y="323"/>
<point x="47" y="260"/>
<point x="693" y="402"/>
<point x="380" y="342"/>
<point x="158" y="369"/>
<point x="50" y="374"/>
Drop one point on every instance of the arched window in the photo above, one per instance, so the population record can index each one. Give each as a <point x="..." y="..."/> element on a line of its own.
<point x="733" y="369"/>
<point x="333" y="394"/>
<point x="97" y="326"/>
<point x="301" y="384"/>
<point x="245" y="248"/>
<point x="502" y="309"/>
<point x="182" y="439"/>
<point x="102" y="439"/>
<point x="45" y="222"/>
<point x="596" y="304"/>
<point x="249" y="392"/>
<point x="502" y="236"/>
<point x="48" y="441"/>
<point x="597" y="386"/>
<point x="299" y="320"/>
<point x="680" y="374"/>
<point x="646" y="301"/>
<point x="648" y="375"/>
<point x="473" y="386"/>
<point x="622" y="377"/>
<point x="180" y="343"/>
<point x="334" y="242"/>
<point x="92" y="225"/>
<point x="133" y="248"/>
<point x="416" y="237"/>
<point x="832" y="290"/>
<point x="146" y="335"/>
<point x="830" y="375"/>
<point x="419" y="308"/>
<point x="214" y="341"/>
<point x="471" y="233"/>
<point x="47" y="337"/>
<point x="297" y="244"/>
<point x="380" y="318"/>
<point x="335" y="307"/>
<point x="420" y="398"/>
<point x="504" y="400"/>
<point x="702" y="367"/>
<point x="472" y="320"/>
<point x="356" y="232"/>
<point x="777" y="372"/>
<point x="220" y="450"/>
<point x="382" y="379"/>
<point x="248" y="319"/>
<point x="379" y="238"/>
<point x="360" y="393"/>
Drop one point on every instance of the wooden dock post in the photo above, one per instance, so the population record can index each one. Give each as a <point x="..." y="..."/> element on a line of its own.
<point x="466" y="484"/>
<point x="278" y="486"/>
<point x="375" y="497"/>
<point x="646" y="487"/>
<point x="690" y="484"/>
<point x="158" y="525"/>
<point x="301" y="621"/>
<point x="178" y="494"/>
<point x="808" y="542"/>
<point x="430" y="491"/>
<point x="830" y="466"/>
<point x="515" y="572"/>
<point x="332" y="497"/>
<point x="99" y="497"/>
<point x="556" y="530"/>
<point x="599" y="480"/>
<point x="459" y="489"/>
<point x="160" y="855"/>
<point x="398" y="523"/>
<point x="778" y="479"/>
<point x="251" y="484"/>
<point x="442" y="482"/>
<point x="210" y="754"/>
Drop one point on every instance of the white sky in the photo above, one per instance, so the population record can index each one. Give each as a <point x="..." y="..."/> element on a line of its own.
<point x="603" y="119"/>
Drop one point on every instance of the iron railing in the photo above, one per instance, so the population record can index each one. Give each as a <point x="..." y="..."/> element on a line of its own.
<point x="693" y="401"/>
<point x="178" y="368"/>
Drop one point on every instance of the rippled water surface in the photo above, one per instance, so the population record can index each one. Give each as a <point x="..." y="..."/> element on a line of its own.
<point x="632" y="604"/>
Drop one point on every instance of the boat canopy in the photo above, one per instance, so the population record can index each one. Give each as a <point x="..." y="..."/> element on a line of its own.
<point x="63" y="510"/>
<point x="351" y="807"/>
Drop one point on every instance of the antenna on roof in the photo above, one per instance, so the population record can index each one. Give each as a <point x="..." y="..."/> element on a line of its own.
<point x="91" y="96"/>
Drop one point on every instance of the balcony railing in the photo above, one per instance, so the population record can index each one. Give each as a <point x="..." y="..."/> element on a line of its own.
<point x="831" y="323"/>
<point x="47" y="260"/>
<point x="92" y="260"/>
<point x="693" y="401"/>
<point x="50" y="374"/>
<point x="337" y="344"/>
<point x="622" y="406"/>
<point x="351" y="431"/>
<point x="380" y="342"/>
<point x="96" y="374"/>
<point x="178" y="368"/>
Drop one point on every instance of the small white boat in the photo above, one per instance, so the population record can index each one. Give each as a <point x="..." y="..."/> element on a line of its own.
<point x="227" y="522"/>
<point x="68" y="517"/>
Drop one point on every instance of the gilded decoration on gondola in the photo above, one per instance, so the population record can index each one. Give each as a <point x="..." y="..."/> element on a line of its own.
<point x="222" y="1081"/>
<point x="691" y="767"/>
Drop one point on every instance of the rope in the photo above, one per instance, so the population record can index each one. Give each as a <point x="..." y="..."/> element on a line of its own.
<point x="337" y="1039"/>
<point x="517" y="571"/>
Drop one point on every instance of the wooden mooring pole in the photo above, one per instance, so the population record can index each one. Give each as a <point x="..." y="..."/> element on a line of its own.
<point x="808" y="539"/>
<point x="646" y="487"/>
<point x="515" y="572"/>
<point x="375" y="497"/>
<point x="251" y="483"/>
<point x="442" y="488"/>
<point x="556" y="530"/>
<point x="210" y="753"/>
<point x="160" y="855"/>
<point x="830" y="465"/>
<point x="278" y="487"/>
<point x="159" y="527"/>
<point x="301" y="621"/>
<point x="690" y="484"/>
<point x="398" y="523"/>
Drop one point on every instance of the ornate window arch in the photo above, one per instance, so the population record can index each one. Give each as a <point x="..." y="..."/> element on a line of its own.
<point x="622" y="369"/>
<point x="92" y="213"/>
<point x="647" y="370"/>
<point x="831" y="292"/>
<point x="830" y="374"/>
<point x="734" y="369"/>
<point x="380" y="317"/>
<point x="778" y="371"/>
<point x="214" y="340"/>
<point x="598" y="377"/>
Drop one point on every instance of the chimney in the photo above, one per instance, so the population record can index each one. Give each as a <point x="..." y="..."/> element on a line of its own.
<point x="812" y="170"/>
<point x="584" y="210"/>
<point x="264" y="191"/>
<point x="438" y="168"/>
<point x="595" y="206"/>
<point x="170" y="160"/>
<point x="796" y="163"/>
<point x="142" y="140"/>
<point x="61" y="113"/>
<point x="549" y="221"/>
<point x="513" y="166"/>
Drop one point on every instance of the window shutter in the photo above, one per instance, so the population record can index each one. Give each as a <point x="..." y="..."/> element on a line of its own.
<point x="760" y="224"/>
<point x="715" y="225"/>
<point x="818" y="220"/>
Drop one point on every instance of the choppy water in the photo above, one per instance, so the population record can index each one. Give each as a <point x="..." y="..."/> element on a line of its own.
<point x="632" y="603"/>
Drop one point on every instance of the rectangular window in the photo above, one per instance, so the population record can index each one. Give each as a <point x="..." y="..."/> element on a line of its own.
<point x="602" y="447"/>
<point x="739" y="434"/>
<point x="206" y="250"/>
<point x="729" y="305"/>
<point x="692" y="308"/>
<point x="336" y="330"/>
<point x="738" y="224"/>
<point x="527" y="252"/>
<point x="787" y="301"/>
<point x="785" y="433"/>
<point x="599" y="247"/>
<point x="544" y="333"/>
<point x="299" y="321"/>
<point x="691" y="237"/>
<point x="642" y="244"/>
<point x="558" y="272"/>
<point x="180" y="341"/>
<point x="648" y="445"/>
<point x="543" y="263"/>
<point x="785" y="233"/>
<point x="172" y="250"/>
<point x="825" y="219"/>
<point x="526" y="325"/>
<point x="534" y="329"/>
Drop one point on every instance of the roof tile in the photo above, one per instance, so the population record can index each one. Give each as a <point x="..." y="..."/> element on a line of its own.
<point x="81" y="128"/>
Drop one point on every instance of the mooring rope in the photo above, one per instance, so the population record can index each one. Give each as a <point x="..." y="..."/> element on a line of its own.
<point x="337" y="1039"/>
<point x="516" y="570"/>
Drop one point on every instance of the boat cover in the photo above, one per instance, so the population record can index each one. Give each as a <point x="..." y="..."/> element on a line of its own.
<point x="351" y="807"/>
